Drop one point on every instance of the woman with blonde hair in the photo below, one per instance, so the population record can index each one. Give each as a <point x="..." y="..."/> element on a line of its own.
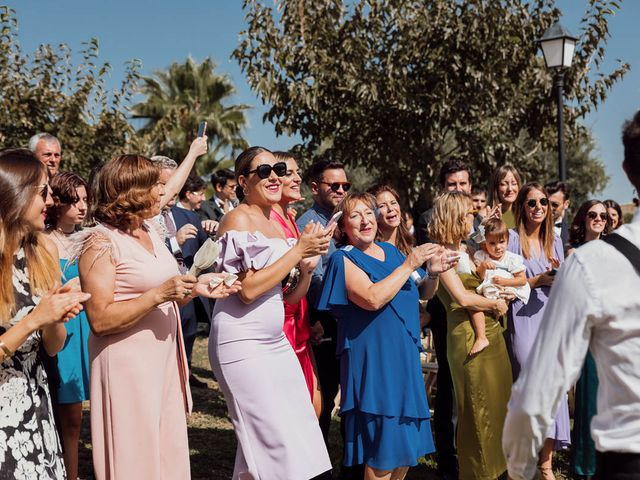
<point x="139" y="380"/>
<point x="33" y="310"/>
<point x="534" y="239"/>
<point x="482" y="382"/>
<point x="392" y="224"/>
<point x="505" y="185"/>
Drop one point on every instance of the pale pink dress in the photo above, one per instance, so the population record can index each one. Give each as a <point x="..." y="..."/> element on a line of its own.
<point x="139" y="389"/>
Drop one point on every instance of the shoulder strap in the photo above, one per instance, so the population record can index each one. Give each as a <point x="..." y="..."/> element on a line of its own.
<point x="626" y="248"/>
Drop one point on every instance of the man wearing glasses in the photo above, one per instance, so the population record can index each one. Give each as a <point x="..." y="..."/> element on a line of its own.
<point x="224" y="198"/>
<point x="329" y="185"/>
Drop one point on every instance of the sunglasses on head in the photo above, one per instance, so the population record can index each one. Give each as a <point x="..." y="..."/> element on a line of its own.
<point x="593" y="215"/>
<point x="335" y="186"/>
<point x="532" y="202"/>
<point x="264" y="171"/>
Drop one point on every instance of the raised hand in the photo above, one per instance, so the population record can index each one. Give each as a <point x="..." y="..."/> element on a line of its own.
<point x="59" y="304"/>
<point x="314" y="240"/>
<point x="185" y="233"/>
<point x="210" y="226"/>
<point x="420" y="254"/>
<point x="199" y="146"/>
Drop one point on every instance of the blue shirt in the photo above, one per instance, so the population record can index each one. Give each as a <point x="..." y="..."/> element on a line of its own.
<point x="321" y="215"/>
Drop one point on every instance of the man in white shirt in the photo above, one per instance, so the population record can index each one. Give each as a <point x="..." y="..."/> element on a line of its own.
<point x="594" y="305"/>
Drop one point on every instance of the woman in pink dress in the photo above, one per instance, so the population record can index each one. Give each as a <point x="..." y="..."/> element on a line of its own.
<point x="277" y="431"/>
<point x="296" y="315"/>
<point x="139" y="389"/>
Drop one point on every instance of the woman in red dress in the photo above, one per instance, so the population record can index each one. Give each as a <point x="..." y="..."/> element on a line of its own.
<point x="296" y="312"/>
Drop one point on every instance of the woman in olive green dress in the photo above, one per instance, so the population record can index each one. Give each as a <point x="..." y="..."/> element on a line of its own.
<point x="505" y="185"/>
<point x="482" y="383"/>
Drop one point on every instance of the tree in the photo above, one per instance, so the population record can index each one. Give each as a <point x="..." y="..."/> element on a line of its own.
<point x="178" y="99"/>
<point x="45" y="92"/>
<point x="399" y="87"/>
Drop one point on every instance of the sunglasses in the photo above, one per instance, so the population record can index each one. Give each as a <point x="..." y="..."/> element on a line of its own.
<point x="532" y="202"/>
<point x="593" y="215"/>
<point x="264" y="171"/>
<point x="336" y="186"/>
<point x="44" y="190"/>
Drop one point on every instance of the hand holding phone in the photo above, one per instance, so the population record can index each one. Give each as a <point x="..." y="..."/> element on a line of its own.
<point x="202" y="129"/>
<point x="336" y="216"/>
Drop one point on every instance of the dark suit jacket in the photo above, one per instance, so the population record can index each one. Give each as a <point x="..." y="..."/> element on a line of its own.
<point x="209" y="210"/>
<point x="188" y="313"/>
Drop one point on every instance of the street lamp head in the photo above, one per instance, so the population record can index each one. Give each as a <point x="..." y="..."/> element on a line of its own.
<point x="558" y="46"/>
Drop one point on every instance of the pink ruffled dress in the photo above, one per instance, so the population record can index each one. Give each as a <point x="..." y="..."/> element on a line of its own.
<point x="277" y="430"/>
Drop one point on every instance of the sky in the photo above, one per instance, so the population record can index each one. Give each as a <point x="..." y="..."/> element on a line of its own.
<point x="160" y="32"/>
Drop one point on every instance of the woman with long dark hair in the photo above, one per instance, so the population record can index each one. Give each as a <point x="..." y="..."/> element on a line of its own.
<point x="264" y="387"/>
<point x="296" y="310"/>
<point x="392" y="226"/>
<point x="33" y="309"/>
<point x="534" y="238"/>
<point x="591" y="222"/>
<point x="615" y="213"/>
<point x="69" y="209"/>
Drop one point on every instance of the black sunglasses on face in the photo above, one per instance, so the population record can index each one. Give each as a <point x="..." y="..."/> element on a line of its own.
<point x="593" y="215"/>
<point x="264" y="171"/>
<point x="532" y="202"/>
<point x="336" y="186"/>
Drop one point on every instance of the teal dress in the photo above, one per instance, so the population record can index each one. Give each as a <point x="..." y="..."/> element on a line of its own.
<point x="73" y="359"/>
<point x="584" y="449"/>
<point x="383" y="401"/>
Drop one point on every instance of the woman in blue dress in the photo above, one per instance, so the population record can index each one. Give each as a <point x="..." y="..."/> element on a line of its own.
<point x="67" y="213"/>
<point x="370" y="288"/>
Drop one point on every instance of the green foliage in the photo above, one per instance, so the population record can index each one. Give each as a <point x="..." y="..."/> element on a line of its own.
<point x="45" y="92"/>
<point x="400" y="87"/>
<point x="177" y="100"/>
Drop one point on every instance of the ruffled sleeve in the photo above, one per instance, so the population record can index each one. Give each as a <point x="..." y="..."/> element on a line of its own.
<point x="97" y="238"/>
<point x="241" y="251"/>
<point x="334" y="290"/>
<point x="516" y="263"/>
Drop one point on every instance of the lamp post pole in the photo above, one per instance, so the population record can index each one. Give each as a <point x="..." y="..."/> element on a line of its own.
<point x="559" y="86"/>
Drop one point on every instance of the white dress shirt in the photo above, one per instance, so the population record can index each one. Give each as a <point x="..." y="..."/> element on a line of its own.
<point x="594" y="304"/>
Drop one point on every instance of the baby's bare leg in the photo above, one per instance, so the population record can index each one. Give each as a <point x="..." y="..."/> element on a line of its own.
<point x="481" y="342"/>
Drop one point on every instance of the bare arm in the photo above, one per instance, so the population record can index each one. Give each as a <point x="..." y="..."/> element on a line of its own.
<point x="176" y="182"/>
<point x="428" y="288"/>
<point x="106" y="316"/>
<point x="255" y="283"/>
<point x="466" y="299"/>
<point x="53" y="334"/>
<point x="519" y="280"/>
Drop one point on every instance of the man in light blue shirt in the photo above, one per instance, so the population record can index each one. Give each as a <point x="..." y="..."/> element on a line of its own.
<point x="329" y="185"/>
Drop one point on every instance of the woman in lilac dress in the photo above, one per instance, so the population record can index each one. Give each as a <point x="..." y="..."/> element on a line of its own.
<point x="277" y="430"/>
<point x="534" y="239"/>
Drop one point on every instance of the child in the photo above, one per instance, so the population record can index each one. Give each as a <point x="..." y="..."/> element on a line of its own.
<point x="499" y="270"/>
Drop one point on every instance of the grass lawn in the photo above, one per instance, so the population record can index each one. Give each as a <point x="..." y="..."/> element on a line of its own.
<point x="212" y="441"/>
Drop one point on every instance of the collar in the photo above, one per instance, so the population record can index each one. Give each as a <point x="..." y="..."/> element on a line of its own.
<point x="179" y="204"/>
<point x="320" y="210"/>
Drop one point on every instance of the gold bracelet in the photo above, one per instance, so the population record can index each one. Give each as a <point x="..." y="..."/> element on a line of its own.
<point x="7" y="351"/>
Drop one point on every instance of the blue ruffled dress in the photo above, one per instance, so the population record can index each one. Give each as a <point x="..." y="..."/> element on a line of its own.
<point x="383" y="401"/>
<point x="73" y="359"/>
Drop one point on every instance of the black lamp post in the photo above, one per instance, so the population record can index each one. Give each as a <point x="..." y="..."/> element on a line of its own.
<point x="558" y="46"/>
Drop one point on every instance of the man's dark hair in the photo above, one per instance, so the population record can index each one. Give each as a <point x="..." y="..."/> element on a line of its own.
<point x="558" y="186"/>
<point x="631" y="142"/>
<point x="479" y="190"/>
<point x="221" y="177"/>
<point x="319" y="167"/>
<point x="193" y="184"/>
<point x="452" y="166"/>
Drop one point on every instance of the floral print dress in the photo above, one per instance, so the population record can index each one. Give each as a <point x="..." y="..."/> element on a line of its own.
<point x="29" y="443"/>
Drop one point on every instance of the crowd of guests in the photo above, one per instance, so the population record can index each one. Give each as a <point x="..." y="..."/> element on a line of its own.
<point x="110" y="285"/>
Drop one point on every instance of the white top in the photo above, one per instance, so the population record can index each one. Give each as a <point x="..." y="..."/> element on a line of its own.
<point x="464" y="263"/>
<point x="511" y="262"/>
<point x="594" y="304"/>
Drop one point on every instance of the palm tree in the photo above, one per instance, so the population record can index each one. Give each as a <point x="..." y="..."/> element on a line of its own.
<point x="178" y="99"/>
